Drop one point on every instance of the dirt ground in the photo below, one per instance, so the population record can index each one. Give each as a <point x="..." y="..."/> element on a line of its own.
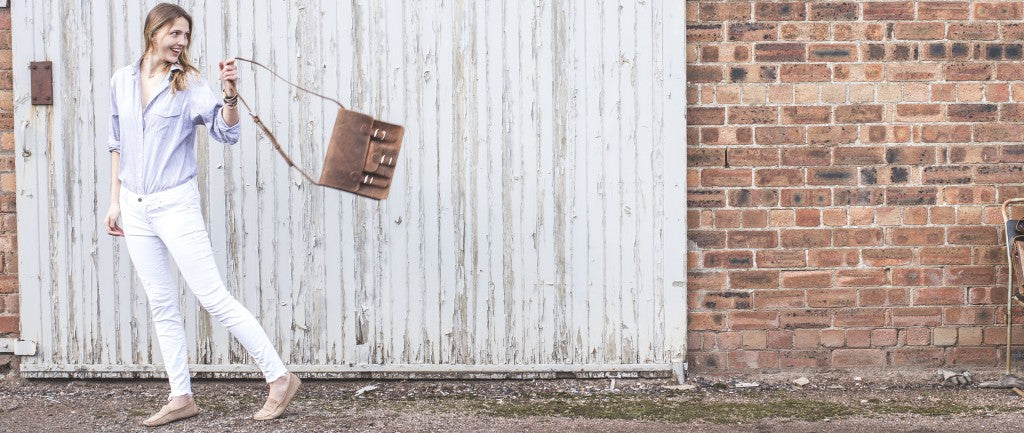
<point x="837" y="401"/>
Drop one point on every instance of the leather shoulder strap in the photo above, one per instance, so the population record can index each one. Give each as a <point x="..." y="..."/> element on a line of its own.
<point x="270" y="135"/>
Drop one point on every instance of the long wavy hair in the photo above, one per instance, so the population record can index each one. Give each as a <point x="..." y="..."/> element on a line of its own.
<point x="162" y="15"/>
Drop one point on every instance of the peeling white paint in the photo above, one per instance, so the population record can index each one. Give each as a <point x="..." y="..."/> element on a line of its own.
<point x="537" y="218"/>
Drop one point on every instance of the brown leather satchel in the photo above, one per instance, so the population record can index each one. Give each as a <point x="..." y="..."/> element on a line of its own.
<point x="362" y="153"/>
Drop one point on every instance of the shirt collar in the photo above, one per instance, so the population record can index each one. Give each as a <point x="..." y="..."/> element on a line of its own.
<point x="138" y="68"/>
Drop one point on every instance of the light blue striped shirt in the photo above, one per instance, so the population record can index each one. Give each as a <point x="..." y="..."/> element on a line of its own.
<point x="157" y="145"/>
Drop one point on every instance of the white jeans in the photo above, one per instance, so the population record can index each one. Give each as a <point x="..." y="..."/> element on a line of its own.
<point x="170" y="221"/>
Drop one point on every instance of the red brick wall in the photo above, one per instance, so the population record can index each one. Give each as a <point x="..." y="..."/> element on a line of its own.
<point x="8" y="219"/>
<point x="846" y="165"/>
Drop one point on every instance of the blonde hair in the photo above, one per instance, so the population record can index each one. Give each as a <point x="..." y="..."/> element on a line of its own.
<point x="162" y="15"/>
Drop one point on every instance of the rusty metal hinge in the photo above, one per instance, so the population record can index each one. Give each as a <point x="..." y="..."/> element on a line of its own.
<point x="42" y="82"/>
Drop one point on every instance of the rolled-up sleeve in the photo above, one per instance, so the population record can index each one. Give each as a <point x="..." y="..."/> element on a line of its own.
<point x="205" y="107"/>
<point x="114" y="135"/>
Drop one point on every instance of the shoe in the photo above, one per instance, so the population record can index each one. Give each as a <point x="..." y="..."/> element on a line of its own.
<point x="273" y="408"/>
<point x="167" y="415"/>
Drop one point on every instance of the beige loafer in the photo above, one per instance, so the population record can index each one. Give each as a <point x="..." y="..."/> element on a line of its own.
<point x="167" y="415"/>
<point x="274" y="408"/>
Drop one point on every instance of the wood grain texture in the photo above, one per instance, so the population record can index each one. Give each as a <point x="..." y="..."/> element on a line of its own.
<point x="537" y="218"/>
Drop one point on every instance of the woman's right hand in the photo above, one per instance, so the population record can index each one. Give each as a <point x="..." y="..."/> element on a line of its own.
<point x="111" y="221"/>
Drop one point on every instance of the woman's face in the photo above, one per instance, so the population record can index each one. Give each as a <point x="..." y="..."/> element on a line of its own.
<point x="171" y="40"/>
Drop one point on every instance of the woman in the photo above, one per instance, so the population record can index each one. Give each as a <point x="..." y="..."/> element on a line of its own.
<point x="156" y="104"/>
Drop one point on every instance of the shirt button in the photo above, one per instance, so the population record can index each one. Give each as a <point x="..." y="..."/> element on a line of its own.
<point x="140" y="199"/>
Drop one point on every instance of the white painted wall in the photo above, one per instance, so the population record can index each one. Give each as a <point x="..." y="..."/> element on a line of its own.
<point x="537" y="221"/>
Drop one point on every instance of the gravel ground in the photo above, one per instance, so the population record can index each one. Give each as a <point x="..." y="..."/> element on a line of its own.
<point x="836" y="401"/>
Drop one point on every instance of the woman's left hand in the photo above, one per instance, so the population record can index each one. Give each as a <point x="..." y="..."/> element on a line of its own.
<point x="228" y="74"/>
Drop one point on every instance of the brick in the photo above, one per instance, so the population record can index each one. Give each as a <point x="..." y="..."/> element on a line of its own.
<point x="781" y="259"/>
<point x="779" y="135"/>
<point x="705" y="321"/>
<point x="780" y="339"/>
<point x="753" y="198"/>
<point x="912" y="72"/>
<point x="752" y="239"/>
<point x="833" y="338"/>
<point x="942" y="10"/>
<point x="998" y="173"/>
<point x="918" y="357"/>
<point x="705" y="157"/>
<point x="807" y="217"/>
<point x="858" y="32"/>
<point x="705" y="198"/>
<point x="944" y="134"/>
<point x="986" y="296"/>
<point x="704" y="33"/>
<point x="806" y="197"/>
<point x="860" y="277"/>
<point x="858" y="197"/>
<point x="939" y="296"/>
<point x="809" y="238"/>
<point x="843" y="134"/>
<point x="754" y="279"/>
<point x="916" y="316"/>
<point x="833" y="11"/>
<point x="780" y="52"/>
<point x="916" y="336"/>
<point x="969" y="336"/>
<point x="745" y="320"/>
<point x="1002" y="133"/>
<point x="981" y="356"/>
<point x="1012" y="113"/>
<point x="858" y="113"/>
<point x="945" y="256"/>
<point x="973" y="31"/>
<point x="970" y="275"/>
<point x="916" y="276"/>
<point x="857" y="72"/>
<point x="804" y="73"/>
<point x="750" y="359"/>
<point x="726" y="135"/>
<point x="9" y="325"/>
<point x="730" y="11"/>
<point x="771" y="299"/>
<point x="859" y="156"/>
<point x="1009" y="72"/>
<point x="786" y="11"/>
<point x="843" y="358"/>
<point x="728" y="260"/>
<point x="968" y="72"/>
<point x="806" y="114"/>
<point x="803" y="32"/>
<point x="833" y="258"/>
<point x="832" y="176"/>
<point x="998" y="11"/>
<point x="886" y="256"/>
<point x="726" y="177"/>
<point x="946" y="175"/>
<point x="805" y="319"/>
<point x="707" y="281"/>
<point x="884" y="337"/>
<point x="755" y="340"/>
<point x="919" y="112"/>
<point x="705" y="116"/>
<point x="804" y="359"/>
<point x="910" y="196"/>
<point x="831" y="298"/>
<point x="751" y="32"/>
<point x="806" y="279"/>
<point x="753" y="115"/>
<point x="860" y="318"/>
<point x="779" y="177"/>
<point x="753" y="74"/>
<point x="886" y="11"/>
<point x="972" y="235"/>
<point x="704" y="74"/>
<point x="832" y="53"/>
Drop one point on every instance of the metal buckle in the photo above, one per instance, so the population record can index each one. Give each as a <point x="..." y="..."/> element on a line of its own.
<point x="383" y="134"/>
<point x="387" y="160"/>
<point x="368" y="180"/>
